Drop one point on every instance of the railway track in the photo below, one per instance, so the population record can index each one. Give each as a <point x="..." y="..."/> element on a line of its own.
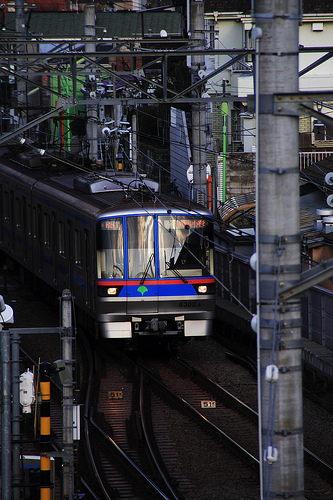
<point x="157" y="404"/>
<point x="318" y="470"/>
<point x="134" y="399"/>
<point x="175" y="468"/>
<point x="228" y="419"/>
<point x="123" y="465"/>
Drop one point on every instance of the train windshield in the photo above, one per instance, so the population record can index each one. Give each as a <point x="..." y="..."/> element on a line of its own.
<point x="141" y="245"/>
<point x="185" y="246"/>
<point x="110" y="249"/>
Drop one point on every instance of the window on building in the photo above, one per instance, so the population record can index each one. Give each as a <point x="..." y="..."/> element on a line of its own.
<point x="319" y="130"/>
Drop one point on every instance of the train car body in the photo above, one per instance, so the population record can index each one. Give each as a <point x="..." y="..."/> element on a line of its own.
<point x="139" y="264"/>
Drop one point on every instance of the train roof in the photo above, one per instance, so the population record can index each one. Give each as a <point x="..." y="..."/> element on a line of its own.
<point x="98" y="191"/>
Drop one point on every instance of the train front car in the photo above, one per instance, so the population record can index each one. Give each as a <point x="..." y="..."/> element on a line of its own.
<point x="155" y="275"/>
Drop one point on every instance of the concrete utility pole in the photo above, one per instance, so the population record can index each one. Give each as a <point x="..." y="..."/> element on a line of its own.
<point x="92" y="110"/>
<point x="198" y="109"/>
<point x="21" y="88"/>
<point x="278" y="254"/>
<point x="134" y="142"/>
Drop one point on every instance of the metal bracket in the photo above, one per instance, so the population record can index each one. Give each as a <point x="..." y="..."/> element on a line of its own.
<point x="67" y="102"/>
<point x="284" y="269"/>
<point x="308" y="279"/>
<point x="29" y="331"/>
<point x="275" y="239"/>
<point x="268" y="288"/>
<point x="281" y="325"/>
<point x="292" y="104"/>
<point x="281" y="344"/>
<point x="279" y="170"/>
<point x="288" y="369"/>
<point x="288" y="432"/>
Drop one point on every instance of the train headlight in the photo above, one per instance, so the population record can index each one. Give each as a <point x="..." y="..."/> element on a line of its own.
<point x="204" y="288"/>
<point x="109" y="291"/>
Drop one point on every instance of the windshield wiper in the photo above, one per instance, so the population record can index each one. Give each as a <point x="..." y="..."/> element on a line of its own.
<point x="175" y="271"/>
<point x="145" y="274"/>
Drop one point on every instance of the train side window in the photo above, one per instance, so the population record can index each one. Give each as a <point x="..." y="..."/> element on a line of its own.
<point x="46" y="229"/>
<point x="61" y="238"/>
<point x="110" y="248"/>
<point x="77" y="248"/>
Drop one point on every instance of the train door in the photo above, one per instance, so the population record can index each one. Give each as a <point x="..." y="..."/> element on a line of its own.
<point x="12" y="222"/>
<point x="19" y="245"/>
<point x="142" y="285"/>
<point x="70" y="255"/>
<point x="39" y="239"/>
<point x="1" y="214"/>
<point x="61" y="255"/>
<point x="54" y="248"/>
<point x="79" y="277"/>
<point x="26" y="227"/>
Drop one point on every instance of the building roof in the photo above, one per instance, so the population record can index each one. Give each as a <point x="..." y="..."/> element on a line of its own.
<point x="239" y="210"/>
<point x="244" y="6"/>
<point x="124" y="24"/>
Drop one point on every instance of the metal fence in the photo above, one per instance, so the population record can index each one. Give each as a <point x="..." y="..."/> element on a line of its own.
<point x="236" y="279"/>
<point x="236" y="283"/>
<point x="307" y="158"/>
<point x="317" y="316"/>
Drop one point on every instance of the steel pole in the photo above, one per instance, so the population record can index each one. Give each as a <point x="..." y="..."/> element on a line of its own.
<point x="67" y="356"/>
<point x="16" y="426"/>
<point x="6" y="463"/>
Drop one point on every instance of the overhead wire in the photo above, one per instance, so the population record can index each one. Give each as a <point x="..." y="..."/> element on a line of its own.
<point x="193" y="255"/>
<point x="187" y="185"/>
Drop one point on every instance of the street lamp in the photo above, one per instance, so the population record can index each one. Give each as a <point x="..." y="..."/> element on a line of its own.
<point x="6" y="312"/>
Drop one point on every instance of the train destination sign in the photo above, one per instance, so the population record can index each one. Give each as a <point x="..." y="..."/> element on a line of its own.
<point x="180" y="223"/>
<point x="111" y="224"/>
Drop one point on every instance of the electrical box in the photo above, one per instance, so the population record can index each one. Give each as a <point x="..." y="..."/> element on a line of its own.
<point x="61" y="372"/>
<point x="27" y="391"/>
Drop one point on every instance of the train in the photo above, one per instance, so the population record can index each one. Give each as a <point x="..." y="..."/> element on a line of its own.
<point x="138" y="263"/>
